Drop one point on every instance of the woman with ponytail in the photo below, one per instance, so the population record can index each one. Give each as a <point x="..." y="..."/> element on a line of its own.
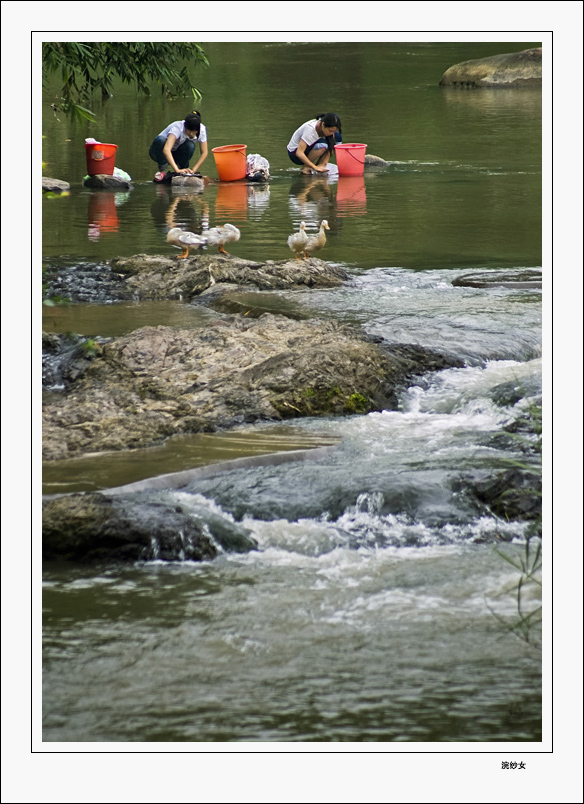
<point x="175" y="146"/>
<point x="312" y="144"/>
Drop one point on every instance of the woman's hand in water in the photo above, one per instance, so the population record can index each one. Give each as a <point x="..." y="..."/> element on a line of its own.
<point x="321" y="168"/>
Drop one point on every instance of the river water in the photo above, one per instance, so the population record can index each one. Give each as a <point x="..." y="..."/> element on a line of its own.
<point x="377" y="606"/>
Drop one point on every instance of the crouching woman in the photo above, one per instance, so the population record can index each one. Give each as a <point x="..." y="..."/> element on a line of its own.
<point x="312" y="144"/>
<point x="176" y="145"/>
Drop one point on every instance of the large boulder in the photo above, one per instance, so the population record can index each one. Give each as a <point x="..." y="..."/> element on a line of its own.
<point x="156" y="277"/>
<point x="157" y="382"/>
<point x="517" y="70"/>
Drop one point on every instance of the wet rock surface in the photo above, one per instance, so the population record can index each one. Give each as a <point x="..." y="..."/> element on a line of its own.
<point x="511" y="494"/>
<point x="155" y="277"/>
<point x="152" y="277"/>
<point x="156" y="382"/>
<point x="65" y="358"/>
<point x="95" y="527"/>
<point x="517" y="70"/>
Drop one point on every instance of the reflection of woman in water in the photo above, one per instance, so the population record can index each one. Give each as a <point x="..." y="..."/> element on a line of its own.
<point x="184" y="209"/>
<point x="311" y="200"/>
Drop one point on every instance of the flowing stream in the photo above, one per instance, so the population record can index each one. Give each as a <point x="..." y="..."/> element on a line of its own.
<point x="377" y="606"/>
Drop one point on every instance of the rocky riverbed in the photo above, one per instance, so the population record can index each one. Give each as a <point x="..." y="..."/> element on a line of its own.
<point x="158" y="277"/>
<point x="156" y="382"/>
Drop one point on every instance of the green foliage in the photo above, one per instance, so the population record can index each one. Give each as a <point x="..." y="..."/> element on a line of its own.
<point x="527" y="621"/>
<point x="90" y="348"/>
<point x="55" y="301"/>
<point x="528" y="563"/>
<point x="357" y="403"/>
<point x="86" y="67"/>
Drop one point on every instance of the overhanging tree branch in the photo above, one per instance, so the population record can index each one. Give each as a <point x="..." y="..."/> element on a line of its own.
<point x="86" y="67"/>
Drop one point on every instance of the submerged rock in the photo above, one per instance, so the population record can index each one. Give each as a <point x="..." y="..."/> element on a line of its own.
<point x="528" y="278"/>
<point x="95" y="527"/>
<point x="102" y="181"/>
<point x="512" y="494"/>
<point x="517" y="70"/>
<point x="375" y="161"/>
<point x="156" y="382"/>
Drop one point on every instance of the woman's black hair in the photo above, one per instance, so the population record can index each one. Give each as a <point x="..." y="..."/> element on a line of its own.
<point x="330" y="120"/>
<point x="193" y="122"/>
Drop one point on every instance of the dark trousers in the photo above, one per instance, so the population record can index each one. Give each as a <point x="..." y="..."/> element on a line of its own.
<point x="182" y="155"/>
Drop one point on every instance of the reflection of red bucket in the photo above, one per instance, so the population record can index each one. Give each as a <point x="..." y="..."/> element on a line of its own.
<point x="351" y="197"/>
<point x="350" y="158"/>
<point x="231" y="162"/>
<point x="102" y="212"/>
<point x="231" y="198"/>
<point x="101" y="158"/>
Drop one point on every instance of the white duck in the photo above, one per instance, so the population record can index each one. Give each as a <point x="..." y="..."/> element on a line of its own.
<point x="178" y="238"/>
<point x="298" y="240"/>
<point x="316" y="242"/>
<point x="220" y="235"/>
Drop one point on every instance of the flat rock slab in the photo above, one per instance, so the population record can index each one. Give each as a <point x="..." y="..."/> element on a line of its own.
<point x="517" y="70"/>
<point x="157" y="382"/>
<point x="156" y="277"/>
<point x="188" y="182"/>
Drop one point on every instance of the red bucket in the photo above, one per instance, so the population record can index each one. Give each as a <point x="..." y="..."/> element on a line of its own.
<point x="350" y="158"/>
<point x="101" y="158"/>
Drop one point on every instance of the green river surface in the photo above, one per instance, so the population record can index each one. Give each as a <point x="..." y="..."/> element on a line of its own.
<point x="376" y="608"/>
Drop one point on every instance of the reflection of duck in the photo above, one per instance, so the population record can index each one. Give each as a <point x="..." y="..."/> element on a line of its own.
<point x="298" y="241"/>
<point x="220" y="235"/>
<point x="184" y="240"/>
<point x="317" y="242"/>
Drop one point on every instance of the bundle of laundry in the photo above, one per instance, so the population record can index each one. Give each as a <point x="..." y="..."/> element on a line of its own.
<point x="257" y="168"/>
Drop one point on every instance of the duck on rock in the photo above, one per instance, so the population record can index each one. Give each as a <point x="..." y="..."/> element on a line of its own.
<point x="178" y="238"/>
<point x="221" y="235"/>
<point x="315" y="243"/>
<point x="298" y="241"/>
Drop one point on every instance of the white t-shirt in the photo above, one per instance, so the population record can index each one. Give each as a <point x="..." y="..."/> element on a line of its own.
<point x="178" y="129"/>
<point x="307" y="132"/>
